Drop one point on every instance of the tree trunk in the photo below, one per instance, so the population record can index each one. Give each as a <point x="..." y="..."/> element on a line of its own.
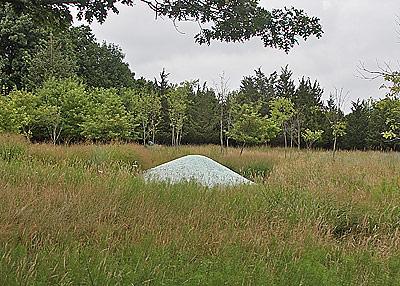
<point x="179" y="137"/>
<point x="54" y="135"/>
<point x="241" y="150"/>
<point x="153" y="127"/>
<point x="173" y="136"/>
<point x="285" y="136"/>
<point x="334" y="147"/>
<point x="291" y="135"/>
<point x="228" y="128"/>
<point x="298" y="133"/>
<point x="221" y="134"/>
<point x="144" y="134"/>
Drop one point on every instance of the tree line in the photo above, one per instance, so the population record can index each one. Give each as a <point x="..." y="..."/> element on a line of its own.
<point x="269" y="109"/>
<point x="60" y="85"/>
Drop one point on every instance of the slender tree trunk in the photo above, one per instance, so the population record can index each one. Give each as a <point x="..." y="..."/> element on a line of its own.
<point x="173" y="136"/>
<point x="241" y="150"/>
<point x="291" y="135"/>
<point x="55" y="134"/>
<point x="228" y="128"/>
<point x="285" y="136"/>
<point x="298" y="133"/>
<point x="177" y="136"/>
<point x="53" y="137"/>
<point x="51" y="55"/>
<point x="144" y="133"/>
<point x="334" y="147"/>
<point x="180" y="136"/>
<point x="153" y="127"/>
<point x="221" y="134"/>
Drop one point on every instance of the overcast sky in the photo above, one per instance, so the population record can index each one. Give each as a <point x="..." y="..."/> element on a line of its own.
<point x="355" y="31"/>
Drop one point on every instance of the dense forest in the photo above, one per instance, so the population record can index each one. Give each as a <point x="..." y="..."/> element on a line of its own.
<point x="60" y="85"/>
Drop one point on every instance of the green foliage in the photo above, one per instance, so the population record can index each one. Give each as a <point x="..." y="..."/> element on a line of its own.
<point x="202" y="125"/>
<point x="230" y="21"/>
<point x="308" y="109"/>
<point x="282" y="109"/>
<point x="310" y="137"/>
<point x="18" y="38"/>
<point x="54" y="59"/>
<point x="257" y="171"/>
<point x="249" y="127"/>
<point x="258" y="88"/>
<point x="394" y="80"/>
<point x="107" y="118"/>
<point x="389" y="107"/>
<point x="64" y="108"/>
<point x="358" y="126"/>
<point x="99" y="65"/>
<point x="285" y="86"/>
<point x="25" y="109"/>
<point x="144" y="109"/>
<point x="31" y="52"/>
<point x="178" y="100"/>
<point x="8" y="117"/>
<point x="339" y="128"/>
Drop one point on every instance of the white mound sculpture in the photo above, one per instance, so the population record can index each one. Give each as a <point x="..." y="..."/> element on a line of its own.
<point x="196" y="168"/>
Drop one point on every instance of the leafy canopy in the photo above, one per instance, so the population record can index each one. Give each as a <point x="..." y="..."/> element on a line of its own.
<point x="250" y="127"/>
<point x="229" y="21"/>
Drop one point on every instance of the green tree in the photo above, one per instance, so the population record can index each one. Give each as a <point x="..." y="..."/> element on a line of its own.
<point x="18" y="38"/>
<point x="65" y="106"/>
<point x="222" y="93"/>
<point x="9" y="122"/>
<point x="285" y="86"/>
<point x="335" y="116"/>
<point x="308" y="109"/>
<point x="49" y="119"/>
<point x="162" y="86"/>
<point x="107" y="118"/>
<point x="389" y="111"/>
<point x="310" y="137"/>
<point x="144" y="107"/>
<point x="24" y="106"/>
<point x="54" y="59"/>
<point x="230" y="21"/>
<point x="202" y="125"/>
<point x="99" y="65"/>
<point x="250" y="127"/>
<point x="258" y="88"/>
<point x="177" y="109"/>
<point x="282" y="110"/>
<point x="358" y="123"/>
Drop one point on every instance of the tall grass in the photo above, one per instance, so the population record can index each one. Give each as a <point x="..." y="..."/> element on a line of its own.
<point x="82" y="215"/>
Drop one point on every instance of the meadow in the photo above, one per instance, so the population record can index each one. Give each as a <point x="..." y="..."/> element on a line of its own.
<point x="82" y="215"/>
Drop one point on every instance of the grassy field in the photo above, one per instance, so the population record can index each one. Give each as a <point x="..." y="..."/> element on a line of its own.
<point x="82" y="215"/>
